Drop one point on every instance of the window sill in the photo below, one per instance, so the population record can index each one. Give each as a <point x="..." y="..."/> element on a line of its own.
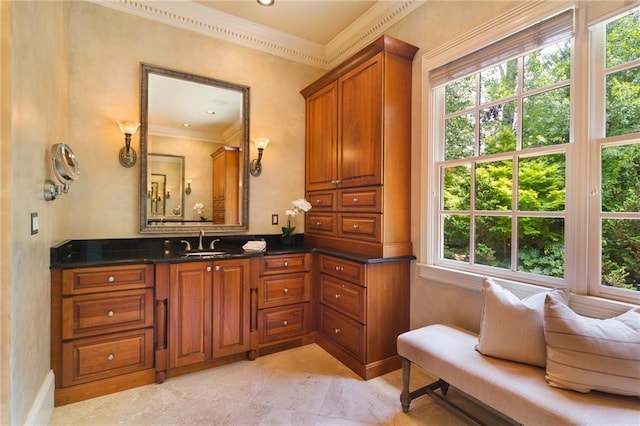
<point x="591" y="306"/>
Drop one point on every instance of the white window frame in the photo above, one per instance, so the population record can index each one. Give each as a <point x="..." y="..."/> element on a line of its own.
<point x="577" y="201"/>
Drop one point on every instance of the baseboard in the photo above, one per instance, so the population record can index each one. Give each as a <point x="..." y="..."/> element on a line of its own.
<point x="42" y="407"/>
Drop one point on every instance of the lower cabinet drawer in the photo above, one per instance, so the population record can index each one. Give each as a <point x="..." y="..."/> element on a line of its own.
<point x="361" y="226"/>
<point x="282" y="322"/>
<point x="344" y="297"/>
<point x="347" y="333"/>
<point x="320" y="223"/>
<point x="92" y="314"/>
<point x="283" y="289"/>
<point x="106" y="356"/>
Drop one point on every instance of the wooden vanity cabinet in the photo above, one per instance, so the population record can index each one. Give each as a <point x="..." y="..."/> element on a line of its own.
<point x="358" y="153"/>
<point x="102" y="323"/>
<point x="283" y="301"/>
<point x="208" y="311"/>
<point x="362" y="308"/>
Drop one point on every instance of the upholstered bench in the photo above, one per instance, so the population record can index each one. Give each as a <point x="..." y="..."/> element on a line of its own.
<point x="518" y="391"/>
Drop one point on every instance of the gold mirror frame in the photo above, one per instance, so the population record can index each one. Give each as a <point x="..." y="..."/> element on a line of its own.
<point x="173" y="227"/>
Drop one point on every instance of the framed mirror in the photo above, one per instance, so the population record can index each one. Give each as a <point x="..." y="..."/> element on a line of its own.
<point x="194" y="146"/>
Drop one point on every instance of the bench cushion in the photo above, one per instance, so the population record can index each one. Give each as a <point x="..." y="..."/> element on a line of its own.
<point x="517" y="390"/>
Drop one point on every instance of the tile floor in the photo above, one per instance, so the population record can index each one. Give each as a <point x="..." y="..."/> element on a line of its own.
<point x="301" y="386"/>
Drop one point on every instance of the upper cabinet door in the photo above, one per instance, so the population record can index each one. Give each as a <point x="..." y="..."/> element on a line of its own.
<point x="360" y="125"/>
<point x="322" y="135"/>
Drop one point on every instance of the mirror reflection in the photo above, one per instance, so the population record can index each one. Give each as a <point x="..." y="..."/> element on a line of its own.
<point x="193" y="144"/>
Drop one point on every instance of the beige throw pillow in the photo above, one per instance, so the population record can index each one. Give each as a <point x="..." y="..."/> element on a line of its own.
<point x="512" y="328"/>
<point x="587" y="354"/>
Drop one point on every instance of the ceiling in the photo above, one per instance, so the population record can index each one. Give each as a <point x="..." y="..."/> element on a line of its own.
<point x="313" y="20"/>
<point x="321" y="33"/>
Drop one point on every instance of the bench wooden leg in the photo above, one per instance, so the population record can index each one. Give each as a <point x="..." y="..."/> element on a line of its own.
<point x="405" y="396"/>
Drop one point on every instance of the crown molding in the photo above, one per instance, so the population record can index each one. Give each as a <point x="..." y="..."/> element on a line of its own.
<point x="195" y="17"/>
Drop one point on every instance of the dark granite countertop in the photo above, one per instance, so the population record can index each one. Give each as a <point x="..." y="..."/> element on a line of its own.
<point x="104" y="252"/>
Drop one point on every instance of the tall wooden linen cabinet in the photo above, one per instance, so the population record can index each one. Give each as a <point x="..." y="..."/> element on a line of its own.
<point x="358" y="180"/>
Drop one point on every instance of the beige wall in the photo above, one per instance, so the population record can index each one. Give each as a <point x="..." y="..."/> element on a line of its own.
<point x="70" y="70"/>
<point x="34" y="116"/>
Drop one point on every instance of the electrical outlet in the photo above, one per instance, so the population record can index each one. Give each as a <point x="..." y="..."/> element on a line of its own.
<point x="35" y="224"/>
<point x="274" y="219"/>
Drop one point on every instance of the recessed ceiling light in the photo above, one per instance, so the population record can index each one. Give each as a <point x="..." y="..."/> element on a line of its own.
<point x="266" y="2"/>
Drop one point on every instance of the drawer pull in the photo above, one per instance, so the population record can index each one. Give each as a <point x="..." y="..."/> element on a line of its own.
<point x="318" y="201"/>
<point x="286" y="264"/>
<point x="208" y="268"/>
<point x="110" y="357"/>
<point x="217" y="267"/>
<point x="318" y="223"/>
<point x="355" y="226"/>
<point x="356" y="200"/>
<point x="337" y="331"/>
<point x="337" y="296"/>
<point x="111" y="278"/>
<point x="335" y="182"/>
<point x="285" y="322"/>
<point x="339" y="268"/>
<point x="110" y="313"/>
<point x="285" y="290"/>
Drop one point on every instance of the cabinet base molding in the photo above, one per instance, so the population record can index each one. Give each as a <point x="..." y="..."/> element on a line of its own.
<point x="366" y="371"/>
<point x="283" y="345"/>
<point x="90" y="390"/>
<point x="179" y="371"/>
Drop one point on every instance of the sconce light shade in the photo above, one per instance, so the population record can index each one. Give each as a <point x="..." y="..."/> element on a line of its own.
<point x="256" y="165"/>
<point x="128" y="155"/>
<point x="188" y="189"/>
<point x="266" y="2"/>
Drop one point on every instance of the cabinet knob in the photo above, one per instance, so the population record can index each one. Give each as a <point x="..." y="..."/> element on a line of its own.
<point x="355" y="226"/>
<point x="285" y="322"/>
<point x="286" y="264"/>
<point x="217" y="267"/>
<point x="285" y="290"/>
<point x="208" y="268"/>
<point x="111" y="278"/>
<point x="110" y="357"/>
<point x="337" y="331"/>
<point x="110" y="313"/>
<point x="318" y="223"/>
<point x="356" y="200"/>
<point x="337" y="296"/>
<point x="318" y="201"/>
<point x="339" y="268"/>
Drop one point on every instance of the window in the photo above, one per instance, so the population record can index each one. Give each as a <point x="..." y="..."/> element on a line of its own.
<point x="504" y="135"/>
<point x="616" y="144"/>
<point x="527" y="183"/>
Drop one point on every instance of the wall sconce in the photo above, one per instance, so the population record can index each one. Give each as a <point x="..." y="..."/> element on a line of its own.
<point x="128" y="155"/>
<point x="256" y="165"/>
<point x="168" y="194"/>
<point x="188" y="189"/>
<point x="266" y="2"/>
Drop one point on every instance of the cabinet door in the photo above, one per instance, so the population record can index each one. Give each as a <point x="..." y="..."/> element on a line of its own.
<point x="231" y="307"/>
<point x="189" y="333"/>
<point x="321" y="138"/>
<point x="360" y="148"/>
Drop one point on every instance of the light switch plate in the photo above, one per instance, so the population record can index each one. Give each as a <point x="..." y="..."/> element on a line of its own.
<point x="35" y="224"/>
<point x="274" y="219"/>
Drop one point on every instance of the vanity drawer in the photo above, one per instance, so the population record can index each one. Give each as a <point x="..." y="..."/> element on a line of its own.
<point x="283" y="289"/>
<point x="285" y="263"/>
<point x="360" y="226"/>
<point x="107" y="278"/>
<point x="91" y="314"/>
<point x="344" y="331"/>
<point x="367" y="199"/>
<point x="322" y="200"/>
<point x="107" y="356"/>
<point x="283" y="322"/>
<point x="347" y="298"/>
<point x="321" y="223"/>
<point x="343" y="269"/>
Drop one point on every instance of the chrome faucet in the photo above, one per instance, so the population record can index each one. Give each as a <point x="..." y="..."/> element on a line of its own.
<point x="213" y="243"/>
<point x="188" y="247"/>
<point x="200" y="239"/>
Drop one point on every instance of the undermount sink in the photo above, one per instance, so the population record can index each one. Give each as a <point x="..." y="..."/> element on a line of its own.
<point x="206" y="253"/>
